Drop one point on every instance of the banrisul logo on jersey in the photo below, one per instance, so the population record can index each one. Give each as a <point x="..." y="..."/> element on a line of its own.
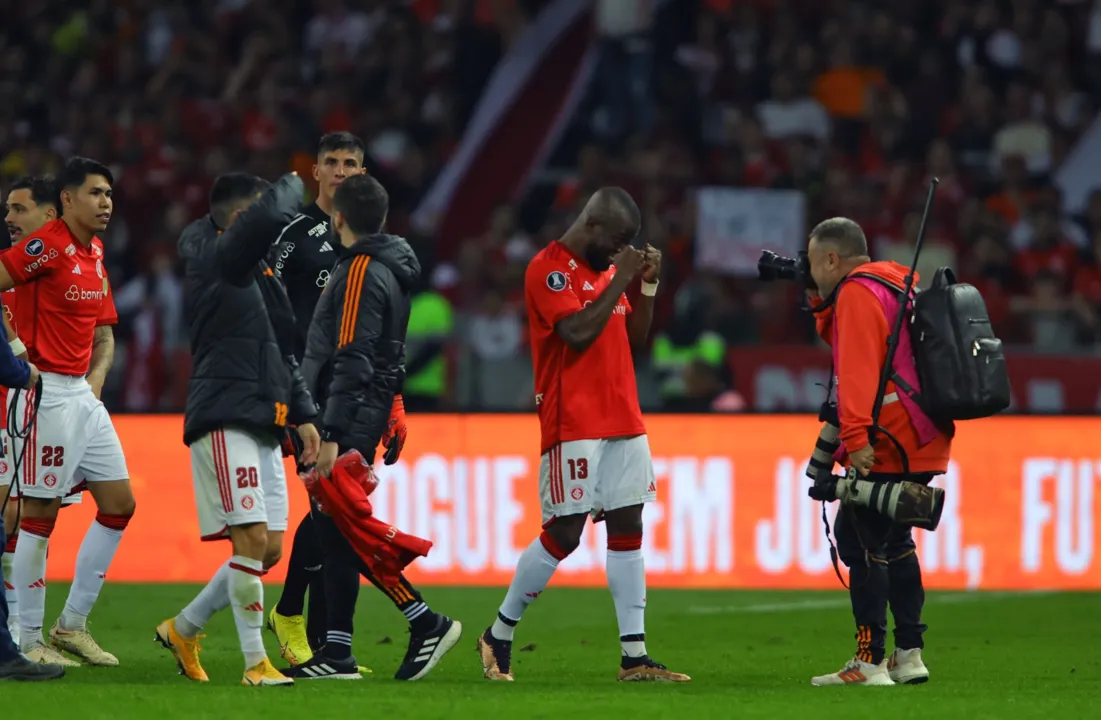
<point x="75" y="294"/>
<point x="34" y="247"/>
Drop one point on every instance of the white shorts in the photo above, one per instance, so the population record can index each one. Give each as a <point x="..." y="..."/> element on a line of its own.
<point x="71" y="441"/>
<point x="594" y="476"/>
<point x="7" y="471"/>
<point x="239" y="480"/>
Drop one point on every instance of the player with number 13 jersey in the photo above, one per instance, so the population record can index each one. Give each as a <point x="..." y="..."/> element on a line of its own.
<point x="595" y="458"/>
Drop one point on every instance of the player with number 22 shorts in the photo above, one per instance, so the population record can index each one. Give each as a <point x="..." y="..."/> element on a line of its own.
<point x="65" y="316"/>
<point x="595" y="455"/>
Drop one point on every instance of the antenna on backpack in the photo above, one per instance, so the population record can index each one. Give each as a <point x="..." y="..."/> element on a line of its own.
<point x="896" y="333"/>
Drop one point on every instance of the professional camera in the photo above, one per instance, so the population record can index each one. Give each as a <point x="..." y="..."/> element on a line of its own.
<point x="771" y="266"/>
<point x="907" y="503"/>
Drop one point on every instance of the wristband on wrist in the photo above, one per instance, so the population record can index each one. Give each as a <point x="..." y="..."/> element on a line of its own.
<point x="17" y="347"/>
<point x="650" y="289"/>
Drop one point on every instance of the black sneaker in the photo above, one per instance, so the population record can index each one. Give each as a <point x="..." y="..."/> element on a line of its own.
<point x="22" y="669"/>
<point x="426" y="650"/>
<point x="320" y="667"/>
<point x="496" y="656"/>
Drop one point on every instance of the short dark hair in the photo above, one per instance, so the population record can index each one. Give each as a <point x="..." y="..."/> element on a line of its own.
<point x="612" y="202"/>
<point x="363" y="202"/>
<point x="845" y="234"/>
<point x="331" y="142"/>
<point x="230" y="191"/>
<point x="43" y="189"/>
<point x="77" y="170"/>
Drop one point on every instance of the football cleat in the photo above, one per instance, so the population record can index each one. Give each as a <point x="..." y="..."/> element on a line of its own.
<point x="426" y="650"/>
<point x="644" y="669"/>
<point x="320" y="667"/>
<point x="906" y="668"/>
<point x="856" y="672"/>
<point x="264" y="674"/>
<point x="185" y="650"/>
<point x="22" y="669"/>
<point x="290" y="631"/>
<point x="46" y="655"/>
<point x="496" y="657"/>
<point x="82" y="644"/>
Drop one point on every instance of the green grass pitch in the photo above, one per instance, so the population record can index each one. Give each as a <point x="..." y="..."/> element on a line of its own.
<point x="751" y="655"/>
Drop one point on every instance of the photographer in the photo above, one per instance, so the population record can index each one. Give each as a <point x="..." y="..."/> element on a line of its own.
<point x="854" y="314"/>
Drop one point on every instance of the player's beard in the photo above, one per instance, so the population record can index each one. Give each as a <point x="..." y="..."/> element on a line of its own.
<point x="598" y="260"/>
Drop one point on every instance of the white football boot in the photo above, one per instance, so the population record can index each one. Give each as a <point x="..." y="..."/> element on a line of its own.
<point x="856" y="672"/>
<point x="906" y="667"/>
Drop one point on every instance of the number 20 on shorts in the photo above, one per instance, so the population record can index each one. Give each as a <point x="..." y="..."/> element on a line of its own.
<point x="247" y="477"/>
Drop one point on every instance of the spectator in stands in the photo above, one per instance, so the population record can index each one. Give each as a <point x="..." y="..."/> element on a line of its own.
<point x="1057" y="323"/>
<point x="688" y="339"/>
<point x="785" y="114"/>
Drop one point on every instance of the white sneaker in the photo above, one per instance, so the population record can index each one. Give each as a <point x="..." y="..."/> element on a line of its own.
<point x="856" y="672"/>
<point x="45" y="655"/>
<point x="81" y="644"/>
<point x="906" y="667"/>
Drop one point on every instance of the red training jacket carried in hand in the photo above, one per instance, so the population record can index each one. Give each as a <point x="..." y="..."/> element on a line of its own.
<point x="343" y="496"/>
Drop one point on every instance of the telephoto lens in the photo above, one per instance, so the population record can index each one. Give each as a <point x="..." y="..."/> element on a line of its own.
<point x="820" y="467"/>
<point x="907" y="503"/>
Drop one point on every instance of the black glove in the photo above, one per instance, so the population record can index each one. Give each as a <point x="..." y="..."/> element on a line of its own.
<point x="824" y="489"/>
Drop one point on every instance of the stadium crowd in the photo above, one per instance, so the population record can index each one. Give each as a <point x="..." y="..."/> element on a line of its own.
<point x="855" y="104"/>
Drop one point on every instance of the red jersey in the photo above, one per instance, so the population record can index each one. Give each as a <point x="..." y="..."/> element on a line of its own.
<point x="65" y="296"/>
<point x="579" y="395"/>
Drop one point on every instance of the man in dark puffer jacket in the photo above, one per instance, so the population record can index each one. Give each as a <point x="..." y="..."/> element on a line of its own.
<point x="245" y="388"/>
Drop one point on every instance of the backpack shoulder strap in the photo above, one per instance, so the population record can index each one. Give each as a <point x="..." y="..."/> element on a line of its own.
<point x="894" y="376"/>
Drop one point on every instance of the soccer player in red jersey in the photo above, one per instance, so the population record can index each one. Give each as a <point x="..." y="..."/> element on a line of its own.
<point x="65" y="320"/>
<point x="595" y="456"/>
<point x="32" y="202"/>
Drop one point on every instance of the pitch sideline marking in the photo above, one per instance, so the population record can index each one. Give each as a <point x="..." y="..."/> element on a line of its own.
<point x="833" y="603"/>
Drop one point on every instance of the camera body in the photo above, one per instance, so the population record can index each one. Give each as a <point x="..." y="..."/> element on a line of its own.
<point x="772" y="267"/>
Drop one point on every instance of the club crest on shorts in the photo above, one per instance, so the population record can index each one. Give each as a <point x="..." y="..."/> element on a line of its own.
<point x="246" y="502"/>
<point x="577" y="492"/>
<point x="556" y="281"/>
<point x="34" y="247"/>
<point x="50" y="480"/>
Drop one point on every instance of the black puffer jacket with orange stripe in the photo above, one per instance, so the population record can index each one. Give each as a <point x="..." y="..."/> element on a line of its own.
<point x="355" y="351"/>
<point x="243" y="371"/>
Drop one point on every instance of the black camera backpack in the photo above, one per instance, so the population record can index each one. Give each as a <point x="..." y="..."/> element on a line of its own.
<point x="960" y="363"/>
<point x="959" y="360"/>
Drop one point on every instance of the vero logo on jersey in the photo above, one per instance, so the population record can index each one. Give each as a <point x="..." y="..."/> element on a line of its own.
<point x="34" y="247"/>
<point x="75" y="294"/>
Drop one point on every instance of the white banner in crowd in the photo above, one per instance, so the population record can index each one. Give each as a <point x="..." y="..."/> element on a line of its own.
<point x="733" y="225"/>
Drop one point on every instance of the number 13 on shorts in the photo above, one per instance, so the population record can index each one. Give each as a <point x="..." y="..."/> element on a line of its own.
<point x="590" y="476"/>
